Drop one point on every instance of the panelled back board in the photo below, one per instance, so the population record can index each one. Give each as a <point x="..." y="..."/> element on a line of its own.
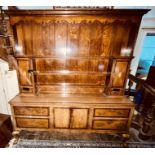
<point x="74" y="51"/>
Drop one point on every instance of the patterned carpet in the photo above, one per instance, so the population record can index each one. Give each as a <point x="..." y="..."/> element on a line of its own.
<point x="42" y="139"/>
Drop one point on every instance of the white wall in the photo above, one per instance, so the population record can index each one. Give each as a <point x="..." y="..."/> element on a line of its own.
<point x="147" y="26"/>
<point x="8" y="86"/>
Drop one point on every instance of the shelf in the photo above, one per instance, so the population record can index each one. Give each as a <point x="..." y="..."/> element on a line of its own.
<point x="60" y="57"/>
<point x="122" y="57"/>
<point x="74" y="57"/>
<point x="109" y="118"/>
<point x="66" y="72"/>
<point x="72" y="84"/>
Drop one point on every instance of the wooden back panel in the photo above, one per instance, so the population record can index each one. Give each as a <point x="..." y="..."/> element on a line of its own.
<point x="63" y="39"/>
<point x="73" y="50"/>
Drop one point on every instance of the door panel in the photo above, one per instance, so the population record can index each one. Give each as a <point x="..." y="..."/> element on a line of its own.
<point x="61" y="117"/>
<point x="119" y="74"/>
<point x="79" y="119"/>
<point x="25" y="77"/>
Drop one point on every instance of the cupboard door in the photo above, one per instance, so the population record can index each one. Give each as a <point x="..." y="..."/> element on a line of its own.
<point x="119" y="74"/>
<point x="61" y="117"/>
<point x="25" y="77"/>
<point x="79" y="119"/>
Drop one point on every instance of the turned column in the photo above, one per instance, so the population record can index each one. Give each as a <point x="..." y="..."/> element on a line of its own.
<point x="148" y="118"/>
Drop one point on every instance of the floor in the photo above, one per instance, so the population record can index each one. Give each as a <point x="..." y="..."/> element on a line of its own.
<point x="42" y="139"/>
<point x="5" y="130"/>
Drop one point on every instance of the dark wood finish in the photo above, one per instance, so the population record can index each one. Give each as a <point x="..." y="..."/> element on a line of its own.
<point x="12" y="8"/>
<point x="147" y="123"/>
<point x="150" y="80"/>
<point x="146" y="107"/>
<point x="97" y="11"/>
<point x="5" y="130"/>
<point x="5" y="38"/>
<point x="75" y="56"/>
<point x="116" y="91"/>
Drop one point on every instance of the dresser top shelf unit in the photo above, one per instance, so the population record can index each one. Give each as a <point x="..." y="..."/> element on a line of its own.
<point x="75" y="47"/>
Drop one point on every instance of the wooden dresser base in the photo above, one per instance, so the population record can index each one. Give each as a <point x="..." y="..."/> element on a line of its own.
<point x="72" y="113"/>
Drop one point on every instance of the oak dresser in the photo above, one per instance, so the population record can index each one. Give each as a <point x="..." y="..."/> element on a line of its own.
<point x="72" y="68"/>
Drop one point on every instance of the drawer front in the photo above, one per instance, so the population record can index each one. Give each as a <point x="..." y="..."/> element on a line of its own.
<point x="32" y="111"/>
<point x="116" y="91"/>
<point x="32" y="123"/>
<point x="25" y="89"/>
<point x="120" y="71"/>
<point x="110" y="124"/>
<point x="112" y="112"/>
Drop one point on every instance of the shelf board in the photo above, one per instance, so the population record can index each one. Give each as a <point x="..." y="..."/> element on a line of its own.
<point x="66" y="72"/>
<point x="72" y="84"/>
<point x="74" y="57"/>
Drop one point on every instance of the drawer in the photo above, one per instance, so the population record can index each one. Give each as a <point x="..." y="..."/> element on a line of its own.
<point x="117" y="92"/>
<point x="32" y="111"/>
<point x="25" y="89"/>
<point x="32" y="122"/>
<point x="110" y="124"/>
<point x="112" y="112"/>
